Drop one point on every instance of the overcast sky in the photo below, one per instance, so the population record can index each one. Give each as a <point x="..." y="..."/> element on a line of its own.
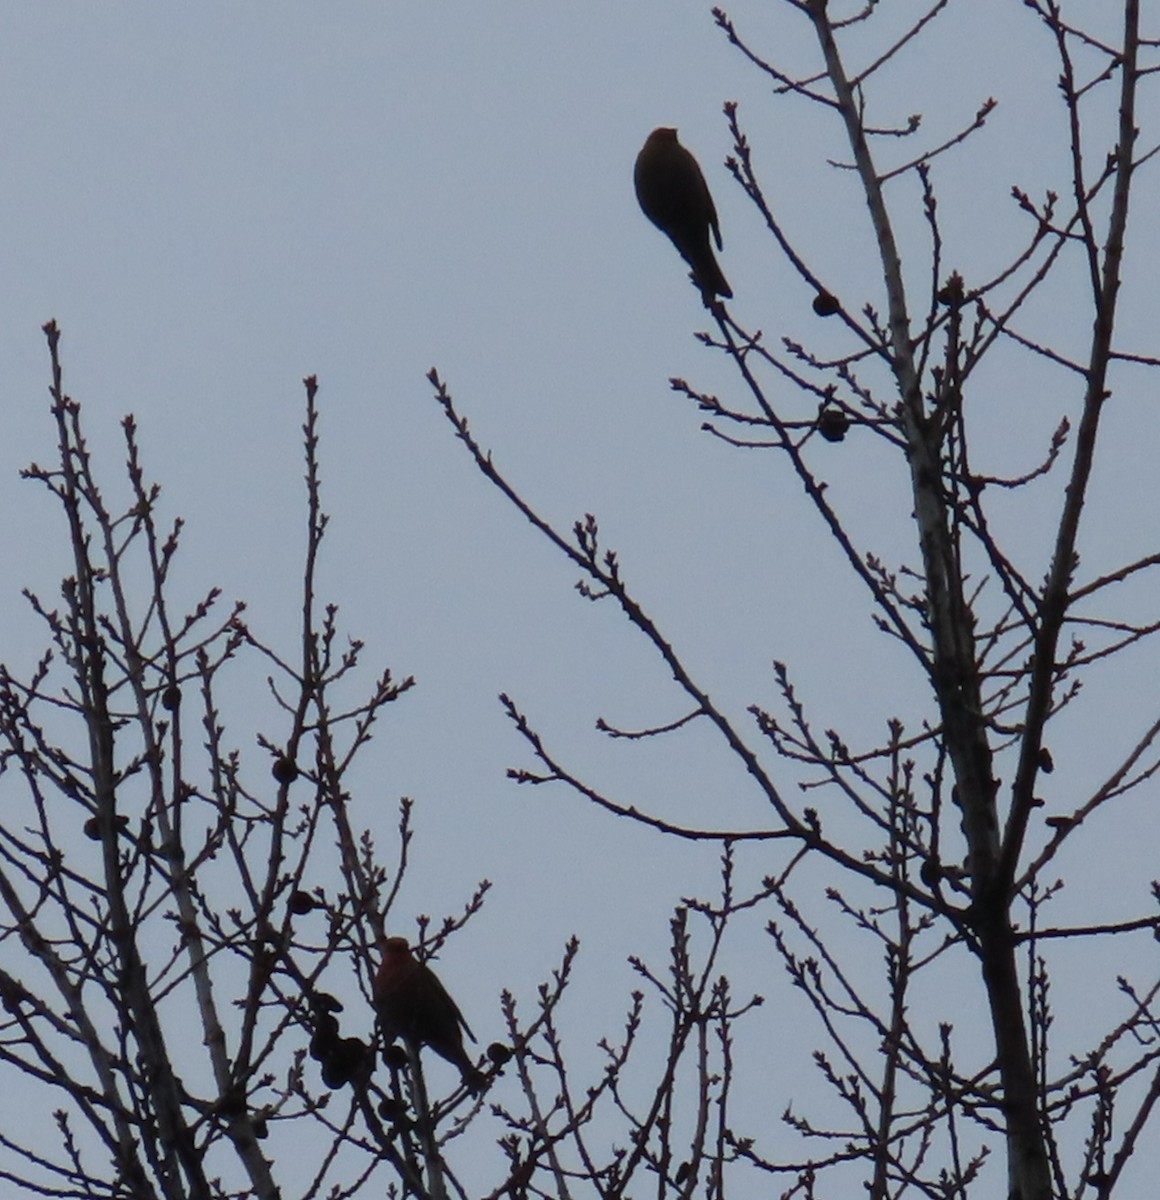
<point x="215" y="200"/>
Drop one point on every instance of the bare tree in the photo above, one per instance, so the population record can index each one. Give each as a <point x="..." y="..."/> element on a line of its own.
<point x="189" y="943"/>
<point x="178" y="926"/>
<point x="936" y="859"/>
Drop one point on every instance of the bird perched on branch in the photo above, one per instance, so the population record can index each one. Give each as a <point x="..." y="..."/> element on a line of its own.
<point x="413" y="1005"/>
<point x="674" y="196"/>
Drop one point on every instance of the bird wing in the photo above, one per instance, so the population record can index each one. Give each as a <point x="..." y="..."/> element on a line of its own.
<point x="458" y="1015"/>
<point x="710" y="208"/>
<point x="438" y="999"/>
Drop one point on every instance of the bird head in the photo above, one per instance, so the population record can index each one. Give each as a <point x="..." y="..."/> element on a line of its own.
<point x="395" y="950"/>
<point x="397" y="964"/>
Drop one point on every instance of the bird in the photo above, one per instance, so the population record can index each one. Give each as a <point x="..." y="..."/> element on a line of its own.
<point x="674" y="196"/>
<point x="413" y="1005"/>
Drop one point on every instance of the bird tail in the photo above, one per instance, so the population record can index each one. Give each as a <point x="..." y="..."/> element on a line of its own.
<point x="709" y="276"/>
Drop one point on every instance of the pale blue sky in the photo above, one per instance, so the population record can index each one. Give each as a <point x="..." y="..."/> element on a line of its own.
<point x="215" y="200"/>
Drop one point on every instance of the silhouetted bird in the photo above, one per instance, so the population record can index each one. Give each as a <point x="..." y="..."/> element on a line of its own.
<point x="675" y="197"/>
<point x="413" y="1005"/>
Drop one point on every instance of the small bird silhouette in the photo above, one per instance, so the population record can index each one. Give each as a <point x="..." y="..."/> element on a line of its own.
<point x="674" y="196"/>
<point x="413" y="1005"/>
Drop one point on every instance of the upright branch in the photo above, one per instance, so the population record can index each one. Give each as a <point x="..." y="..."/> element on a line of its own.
<point x="1105" y="291"/>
